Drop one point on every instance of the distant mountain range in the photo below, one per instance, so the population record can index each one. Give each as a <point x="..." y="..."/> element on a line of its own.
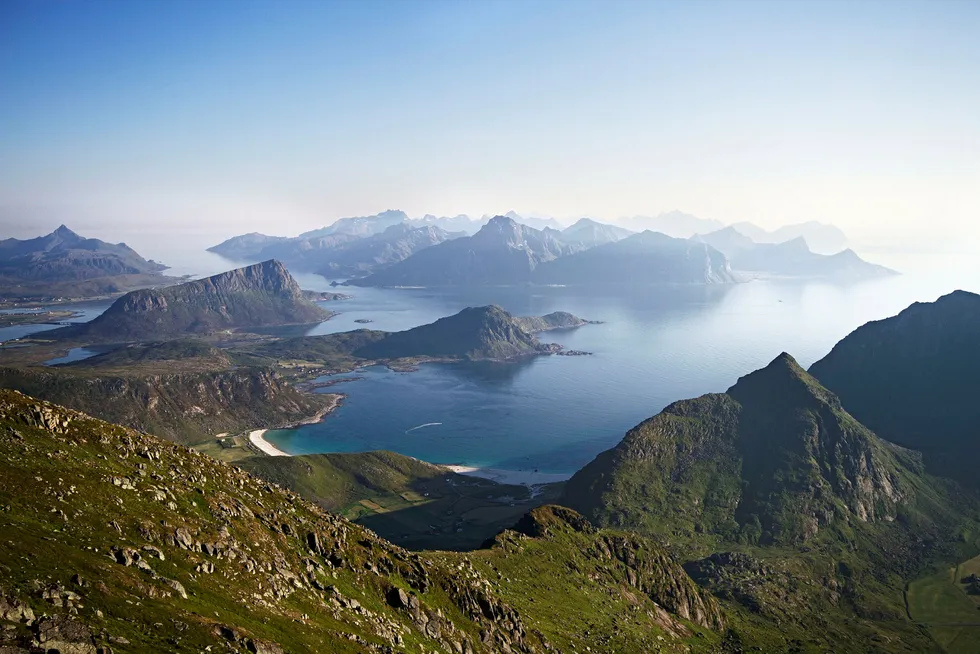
<point x="591" y="233"/>
<point x="672" y="223"/>
<point x="644" y="258"/>
<point x="390" y="249"/>
<point x="502" y="252"/>
<point x="788" y="259"/>
<point x="258" y="295"/>
<point x="822" y="238"/>
<point x="352" y="246"/>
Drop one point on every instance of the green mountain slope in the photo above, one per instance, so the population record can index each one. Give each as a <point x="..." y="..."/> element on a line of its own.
<point x="139" y="545"/>
<point x="913" y="379"/>
<point x="826" y="519"/>
<point x="410" y="502"/>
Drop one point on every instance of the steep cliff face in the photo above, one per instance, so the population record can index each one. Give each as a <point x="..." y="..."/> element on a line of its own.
<point x="913" y="379"/>
<point x="188" y="408"/>
<point x="774" y="460"/>
<point x="260" y="295"/>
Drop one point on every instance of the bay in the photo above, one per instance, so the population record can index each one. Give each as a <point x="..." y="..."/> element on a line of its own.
<point x="553" y="414"/>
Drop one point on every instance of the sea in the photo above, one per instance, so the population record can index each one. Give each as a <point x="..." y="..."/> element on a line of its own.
<point x="553" y="414"/>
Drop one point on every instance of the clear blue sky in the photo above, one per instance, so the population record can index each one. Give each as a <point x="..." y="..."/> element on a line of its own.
<point x="229" y="116"/>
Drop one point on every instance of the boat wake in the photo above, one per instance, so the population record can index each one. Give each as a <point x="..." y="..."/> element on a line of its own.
<point x="428" y="424"/>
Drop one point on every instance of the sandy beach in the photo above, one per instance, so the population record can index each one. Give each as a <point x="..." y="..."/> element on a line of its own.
<point x="257" y="439"/>
<point x="257" y="436"/>
<point x="515" y="477"/>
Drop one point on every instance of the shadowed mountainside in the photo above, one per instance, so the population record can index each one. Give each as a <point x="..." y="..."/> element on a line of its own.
<point x="913" y="379"/>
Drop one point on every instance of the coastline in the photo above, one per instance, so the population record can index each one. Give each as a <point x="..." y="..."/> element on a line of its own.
<point x="256" y="437"/>
<point x="529" y="478"/>
<point x="510" y="477"/>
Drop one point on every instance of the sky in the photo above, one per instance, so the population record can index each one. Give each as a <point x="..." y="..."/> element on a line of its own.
<point x="181" y="121"/>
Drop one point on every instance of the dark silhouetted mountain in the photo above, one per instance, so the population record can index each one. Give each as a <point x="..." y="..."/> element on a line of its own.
<point x="826" y="239"/>
<point x="913" y="379"/>
<point x="258" y="295"/>
<point x="63" y="255"/>
<point x="789" y="259"/>
<point x="673" y="223"/>
<point x="591" y="233"/>
<point x="502" y="252"/>
<point x="645" y="258"/>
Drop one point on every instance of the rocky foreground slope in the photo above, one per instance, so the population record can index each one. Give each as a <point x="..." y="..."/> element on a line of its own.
<point x="117" y="540"/>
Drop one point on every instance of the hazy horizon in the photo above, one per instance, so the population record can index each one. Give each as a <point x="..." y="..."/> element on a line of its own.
<point x="171" y="124"/>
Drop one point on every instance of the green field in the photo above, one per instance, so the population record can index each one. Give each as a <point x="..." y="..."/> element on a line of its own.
<point x="941" y="602"/>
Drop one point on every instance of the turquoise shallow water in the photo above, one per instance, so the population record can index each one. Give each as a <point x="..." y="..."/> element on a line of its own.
<point x="554" y="414"/>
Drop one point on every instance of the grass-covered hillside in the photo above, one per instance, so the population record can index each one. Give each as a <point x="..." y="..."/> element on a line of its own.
<point x="782" y="501"/>
<point x="410" y="502"/>
<point x="136" y="544"/>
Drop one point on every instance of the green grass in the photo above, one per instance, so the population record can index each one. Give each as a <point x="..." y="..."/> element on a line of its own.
<point x="268" y="584"/>
<point x="940" y="601"/>
<point x="413" y="503"/>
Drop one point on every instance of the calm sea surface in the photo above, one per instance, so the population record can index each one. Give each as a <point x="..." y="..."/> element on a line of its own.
<point x="554" y="414"/>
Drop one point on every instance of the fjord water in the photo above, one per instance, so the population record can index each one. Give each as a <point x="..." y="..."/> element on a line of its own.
<point x="554" y="414"/>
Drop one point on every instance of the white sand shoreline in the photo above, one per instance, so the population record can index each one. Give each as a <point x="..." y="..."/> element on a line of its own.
<point x="512" y="477"/>
<point x="257" y="438"/>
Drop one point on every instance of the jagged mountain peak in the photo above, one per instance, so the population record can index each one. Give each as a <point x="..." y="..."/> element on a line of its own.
<point x="784" y="382"/>
<point x="64" y="232"/>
